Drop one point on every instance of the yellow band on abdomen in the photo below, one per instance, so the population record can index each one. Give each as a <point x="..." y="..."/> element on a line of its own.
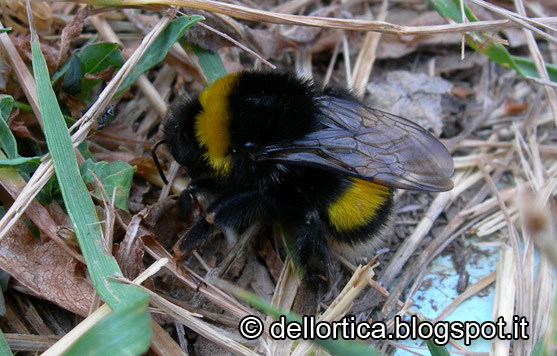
<point x="357" y="205"/>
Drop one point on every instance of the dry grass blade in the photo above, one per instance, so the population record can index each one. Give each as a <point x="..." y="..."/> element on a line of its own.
<point x="366" y="57"/>
<point x="36" y="343"/>
<point x="196" y="282"/>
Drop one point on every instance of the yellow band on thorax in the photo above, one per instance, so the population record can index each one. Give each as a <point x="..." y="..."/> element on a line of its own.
<point x="212" y="123"/>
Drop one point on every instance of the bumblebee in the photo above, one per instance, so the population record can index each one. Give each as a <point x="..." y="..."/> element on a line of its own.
<point x="272" y="148"/>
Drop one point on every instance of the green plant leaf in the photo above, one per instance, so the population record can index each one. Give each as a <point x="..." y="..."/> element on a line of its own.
<point x="23" y="164"/>
<point x="72" y="78"/>
<point x="65" y="67"/>
<point x="211" y="63"/>
<point x="436" y="350"/>
<point x="116" y="177"/>
<point x="158" y="50"/>
<point x="96" y="58"/>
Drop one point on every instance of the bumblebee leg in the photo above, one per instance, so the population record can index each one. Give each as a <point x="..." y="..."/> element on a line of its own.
<point x="200" y="231"/>
<point x="308" y="247"/>
<point x="185" y="205"/>
<point x="238" y="211"/>
<point x="234" y="211"/>
<point x="201" y="186"/>
<point x="187" y="200"/>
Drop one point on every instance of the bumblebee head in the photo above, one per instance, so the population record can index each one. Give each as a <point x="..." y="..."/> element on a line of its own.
<point x="180" y="137"/>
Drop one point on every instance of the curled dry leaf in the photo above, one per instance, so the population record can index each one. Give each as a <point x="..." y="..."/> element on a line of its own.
<point x="45" y="269"/>
<point x="71" y="31"/>
<point x="15" y="14"/>
<point x="130" y="251"/>
<point x="23" y="47"/>
<point x="413" y="96"/>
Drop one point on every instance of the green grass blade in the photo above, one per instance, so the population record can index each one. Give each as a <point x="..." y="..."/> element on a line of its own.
<point x="102" y="266"/>
<point x="78" y="202"/>
<point x="7" y="139"/>
<point x="4" y="348"/>
<point x="158" y="50"/>
<point x="528" y="67"/>
<point x="122" y="333"/>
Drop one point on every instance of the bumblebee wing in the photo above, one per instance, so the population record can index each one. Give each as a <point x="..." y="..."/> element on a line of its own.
<point x="372" y="145"/>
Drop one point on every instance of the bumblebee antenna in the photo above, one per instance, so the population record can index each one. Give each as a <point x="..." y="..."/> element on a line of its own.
<point x="156" y="159"/>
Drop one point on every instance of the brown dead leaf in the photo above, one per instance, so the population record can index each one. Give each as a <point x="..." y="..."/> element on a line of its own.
<point x="130" y="251"/>
<point x="513" y="108"/>
<point x="268" y="44"/>
<point x="14" y="14"/>
<point x="24" y="125"/>
<point x="394" y="46"/>
<point x="307" y="36"/>
<point x="23" y="47"/>
<point x="71" y="31"/>
<point x="104" y="75"/>
<point x="414" y="96"/>
<point x="462" y="92"/>
<point x="45" y="269"/>
<point x="75" y="105"/>
<point x="145" y="166"/>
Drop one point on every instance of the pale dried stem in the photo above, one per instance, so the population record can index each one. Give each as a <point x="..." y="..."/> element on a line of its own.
<point x="255" y="15"/>
<point x="24" y="76"/>
<point x="366" y="57"/>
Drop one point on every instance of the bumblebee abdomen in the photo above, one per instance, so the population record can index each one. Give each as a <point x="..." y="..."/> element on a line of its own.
<point x="360" y="211"/>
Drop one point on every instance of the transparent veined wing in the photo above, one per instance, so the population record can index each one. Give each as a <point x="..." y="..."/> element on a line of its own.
<point x="372" y="145"/>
